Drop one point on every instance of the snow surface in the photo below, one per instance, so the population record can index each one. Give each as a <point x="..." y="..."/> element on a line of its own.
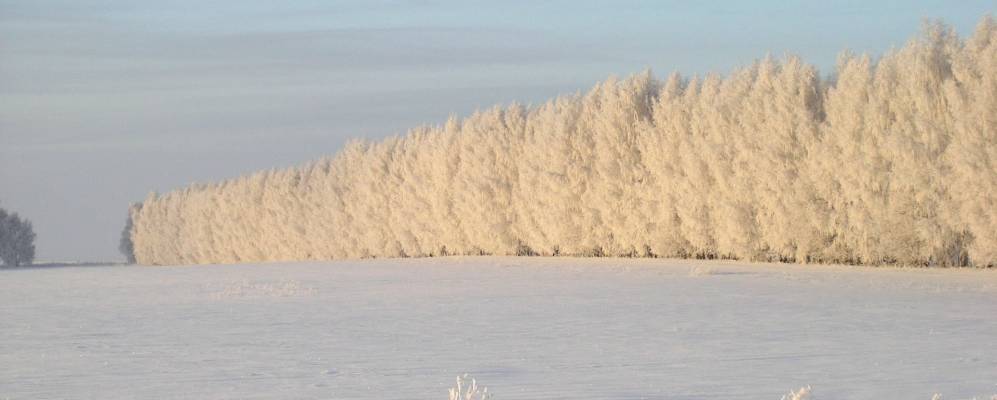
<point x="527" y="328"/>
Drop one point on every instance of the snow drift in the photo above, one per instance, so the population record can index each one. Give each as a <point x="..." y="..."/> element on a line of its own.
<point x="886" y="161"/>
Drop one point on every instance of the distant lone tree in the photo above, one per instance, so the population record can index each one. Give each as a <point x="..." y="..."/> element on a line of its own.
<point x="17" y="240"/>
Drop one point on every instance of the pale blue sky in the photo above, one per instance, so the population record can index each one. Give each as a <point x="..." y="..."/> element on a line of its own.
<point x="102" y="102"/>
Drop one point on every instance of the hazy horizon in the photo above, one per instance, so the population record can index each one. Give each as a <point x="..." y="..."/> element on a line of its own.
<point x="105" y="103"/>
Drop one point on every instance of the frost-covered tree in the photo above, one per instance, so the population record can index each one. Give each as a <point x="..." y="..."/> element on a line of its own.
<point x="972" y="153"/>
<point x="613" y="115"/>
<point x="17" y="240"/>
<point x="660" y="137"/>
<point x="882" y="154"/>
<point x="552" y="179"/>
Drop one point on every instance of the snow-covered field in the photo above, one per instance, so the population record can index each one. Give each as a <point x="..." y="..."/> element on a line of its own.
<point x="528" y="328"/>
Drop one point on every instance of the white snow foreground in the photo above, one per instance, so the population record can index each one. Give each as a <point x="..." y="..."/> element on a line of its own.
<point x="526" y="327"/>
<point x="467" y="389"/>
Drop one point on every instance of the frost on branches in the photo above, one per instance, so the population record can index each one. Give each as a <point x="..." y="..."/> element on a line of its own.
<point x="892" y="161"/>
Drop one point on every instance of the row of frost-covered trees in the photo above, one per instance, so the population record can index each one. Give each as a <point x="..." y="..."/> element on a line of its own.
<point x="886" y="161"/>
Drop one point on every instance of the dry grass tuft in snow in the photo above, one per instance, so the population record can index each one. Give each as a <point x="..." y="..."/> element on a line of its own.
<point x="467" y="389"/>
<point x="802" y="394"/>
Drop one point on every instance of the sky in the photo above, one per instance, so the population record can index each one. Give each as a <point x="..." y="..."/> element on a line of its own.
<point x="103" y="102"/>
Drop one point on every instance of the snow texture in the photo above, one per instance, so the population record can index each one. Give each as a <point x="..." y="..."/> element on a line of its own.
<point x="526" y="327"/>
<point x="888" y="162"/>
<point x="469" y="387"/>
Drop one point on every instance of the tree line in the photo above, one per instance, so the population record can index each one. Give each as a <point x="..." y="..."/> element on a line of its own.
<point x="885" y="161"/>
